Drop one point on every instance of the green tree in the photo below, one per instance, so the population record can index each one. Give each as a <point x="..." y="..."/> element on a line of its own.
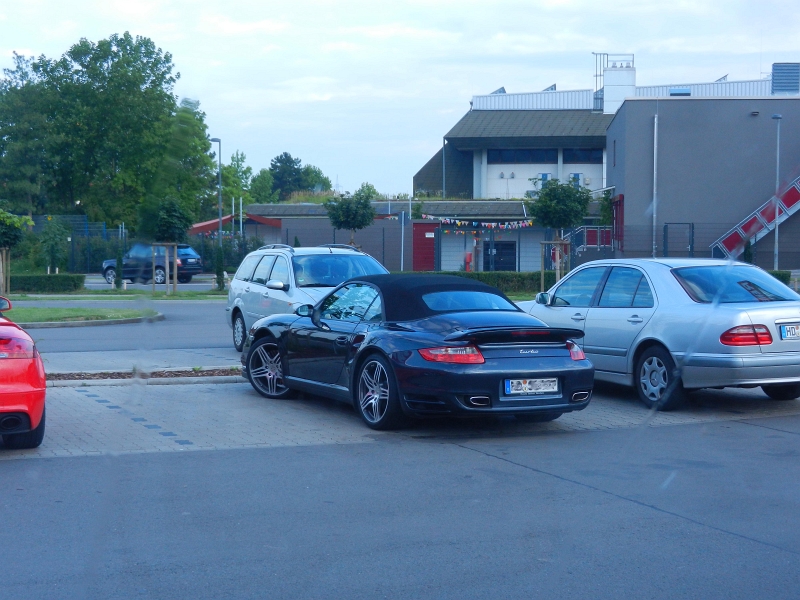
<point x="313" y="179"/>
<point x="416" y="210"/>
<point x="353" y="213"/>
<point x="559" y="205"/>
<point x="12" y="229"/>
<point x="173" y="223"/>
<point x="287" y="174"/>
<point x="606" y="209"/>
<point x="261" y="191"/>
<point x="367" y="192"/>
<point x="219" y="268"/>
<point x="53" y="240"/>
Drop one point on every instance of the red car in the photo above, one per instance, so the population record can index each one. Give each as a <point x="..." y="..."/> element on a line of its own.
<point x="22" y="386"/>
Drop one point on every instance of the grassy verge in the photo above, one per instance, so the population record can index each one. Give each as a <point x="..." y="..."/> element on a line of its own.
<point x="46" y="315"/>
<point x="126" y="295"/>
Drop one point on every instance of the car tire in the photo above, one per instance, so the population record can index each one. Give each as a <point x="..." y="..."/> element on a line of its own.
<point x="538" y="417"/>
<point x="265" y="369"/>
<point x="786" y="391"/>
<point x="657" y="380"/>
<point x="161" y="275"/>
<point x="110" y="275"/>
<point x="376" y="396"/>
<point x="239" y="332"/>
<point x="27" y="440"/>
<point x="184" y="278"/>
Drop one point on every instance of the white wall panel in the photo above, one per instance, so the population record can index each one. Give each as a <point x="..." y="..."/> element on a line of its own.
<point x="571" y="99"/>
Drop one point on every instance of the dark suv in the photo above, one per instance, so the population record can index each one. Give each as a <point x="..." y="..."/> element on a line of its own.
<point x="137" y="264"/>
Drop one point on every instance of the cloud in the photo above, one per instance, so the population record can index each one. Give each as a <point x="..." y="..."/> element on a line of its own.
<point x="221" y="25"/>
<point x="395" y="30"/>
<point x="341" y="47"/>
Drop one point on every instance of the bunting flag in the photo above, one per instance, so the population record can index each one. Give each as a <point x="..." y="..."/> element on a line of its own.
<point x="483" y="224"/>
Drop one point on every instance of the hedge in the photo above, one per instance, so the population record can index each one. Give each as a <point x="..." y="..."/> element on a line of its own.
<point x="782" y="276"/>
<point x="43" y="284"/>
<point x="510" y="282"/>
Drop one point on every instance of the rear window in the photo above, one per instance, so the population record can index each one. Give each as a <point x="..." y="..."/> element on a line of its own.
<point x="732" y="284"/>
<point x="187" y="252"/>
<point x="462" y="300"/>
<point x="329" y="270"/>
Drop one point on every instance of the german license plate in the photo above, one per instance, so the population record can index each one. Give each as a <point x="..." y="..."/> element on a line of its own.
<point x="191" y="260"/>
<point x="531" y="386"/>
<point x="790" y="332"/>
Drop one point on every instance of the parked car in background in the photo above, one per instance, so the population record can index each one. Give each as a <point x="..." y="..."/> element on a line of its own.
<point x="670" y="325"/>
<point x="398" y="346"/>
<point x="22" y="386"/>
<point x="138" y="264"/>
<point x="278" y="278"/>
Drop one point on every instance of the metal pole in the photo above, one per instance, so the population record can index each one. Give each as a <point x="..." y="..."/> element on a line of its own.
<point x="402" y="239"/>
<point x="444" y="181"/>
<point x="655" y="180"/>
<point x="241" y="234"/>
<point x="777" y="184"/>
<point x="219" y="185"/>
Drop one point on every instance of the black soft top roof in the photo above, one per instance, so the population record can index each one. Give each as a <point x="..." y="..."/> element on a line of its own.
<point x="402" y="294"/>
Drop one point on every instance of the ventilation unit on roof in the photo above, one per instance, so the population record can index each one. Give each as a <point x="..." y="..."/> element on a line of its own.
<point x="552" y="88"/>
<point x="786" y="78"/>
<point x="501" y="90"/>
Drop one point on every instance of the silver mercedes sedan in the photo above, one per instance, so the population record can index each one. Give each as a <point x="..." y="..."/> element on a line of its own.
<point x="667" y="326"/>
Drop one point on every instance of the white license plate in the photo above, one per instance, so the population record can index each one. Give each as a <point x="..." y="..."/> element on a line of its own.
<point x="790" y="332"/>
<point x="191" y="260"/>
<point x="531" y="386"/>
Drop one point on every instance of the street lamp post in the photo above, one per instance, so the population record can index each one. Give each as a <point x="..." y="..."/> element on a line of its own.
<point x="777" y="118"/>
<point x="219" y="175"/>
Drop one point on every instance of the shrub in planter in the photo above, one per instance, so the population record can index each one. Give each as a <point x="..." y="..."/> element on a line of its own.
<point x="782" y="276"/>
<point x="46" y="284"/>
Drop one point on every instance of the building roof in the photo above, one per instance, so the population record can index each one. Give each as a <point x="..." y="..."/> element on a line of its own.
<point x="529" y="128"/>
<point x="479" y="209"/>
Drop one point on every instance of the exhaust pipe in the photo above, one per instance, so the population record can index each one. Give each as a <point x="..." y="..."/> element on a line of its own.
<point x="580" y="396"/>
<point x="481" y="401"/>
<point x="9" y="423"/>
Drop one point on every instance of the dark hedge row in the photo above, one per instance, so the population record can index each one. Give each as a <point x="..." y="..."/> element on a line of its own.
<point x="43" y="284"/>
<point x="782" y="276"/>
<point x="510" y="282"/>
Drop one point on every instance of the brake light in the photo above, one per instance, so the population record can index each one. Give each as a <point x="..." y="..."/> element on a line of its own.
<point x="747" y="335"/>
<point x="178" y="262"/>
<point x="465" y="355"/>
<point x="16" y="348"/>
<point x="575" y="351"/>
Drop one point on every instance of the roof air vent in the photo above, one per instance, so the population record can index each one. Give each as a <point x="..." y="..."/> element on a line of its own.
<point x="786" y="78"/>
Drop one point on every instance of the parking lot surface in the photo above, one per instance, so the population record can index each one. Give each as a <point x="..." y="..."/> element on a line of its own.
<point x="135" y="418"/>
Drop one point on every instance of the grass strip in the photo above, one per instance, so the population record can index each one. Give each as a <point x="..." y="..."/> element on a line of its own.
<point x="126" y="295"/>
<point x="27" y="314"/>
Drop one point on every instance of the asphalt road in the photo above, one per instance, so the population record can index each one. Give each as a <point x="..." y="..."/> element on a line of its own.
<point x="691" y="511"/>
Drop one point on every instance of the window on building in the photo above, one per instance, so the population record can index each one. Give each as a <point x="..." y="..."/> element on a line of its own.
<point x="680" y="91"/>
<point x="590" y="156"/>
<point x="575" y="179"/>
<point x="524" y="156"/>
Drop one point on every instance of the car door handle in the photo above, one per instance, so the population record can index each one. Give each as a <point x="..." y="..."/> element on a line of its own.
<point x="341" y="340"/>
<point x="247" y="289"/>
<point x="265" y="294"/>
<point x="635" y="319"/>
<point x="578" y="317"/>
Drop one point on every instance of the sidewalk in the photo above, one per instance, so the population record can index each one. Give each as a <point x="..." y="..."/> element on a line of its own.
<point x="143" y="360"/>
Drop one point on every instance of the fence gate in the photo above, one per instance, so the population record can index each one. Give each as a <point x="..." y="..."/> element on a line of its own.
<point x="679" y="240"/>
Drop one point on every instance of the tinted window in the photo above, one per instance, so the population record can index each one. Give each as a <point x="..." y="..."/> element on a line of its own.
<point x="349" y="303"/>
<point x="621" y="287"/>
<point x="330" y="270"/>
<point x="732" y="284"/>
<point x="460" y="300"/>
<point x="187" y="252"/>
<point x="532" y="156"/>
<point x="579" y="288"/>
<point x="139" y="251"/>
<point x="644" y="296"/>
<point x="245" y="270"/>
<point x="375" y="311"/>
<point x="583" y="155"/>
<point x="281" y="270"/>
<point x="261" y="274"/>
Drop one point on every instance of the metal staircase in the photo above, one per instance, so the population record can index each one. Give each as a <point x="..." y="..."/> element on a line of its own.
<point x="760" y="222"/>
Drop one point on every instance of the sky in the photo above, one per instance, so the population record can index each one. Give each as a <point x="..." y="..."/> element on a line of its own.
<point x="365" y="90"/>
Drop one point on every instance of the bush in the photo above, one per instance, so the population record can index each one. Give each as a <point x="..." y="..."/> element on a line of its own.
<point x="782" y="276"/>
<point x="44" y="284"/>
<point x="510" y="282"/>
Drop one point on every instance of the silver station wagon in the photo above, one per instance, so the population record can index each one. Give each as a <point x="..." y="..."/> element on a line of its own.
<point x="277" y="279"/>
<point x="670" y="325"/>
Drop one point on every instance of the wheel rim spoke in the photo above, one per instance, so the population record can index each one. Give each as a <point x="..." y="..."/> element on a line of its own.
<point x="266" y="369"/>
<point x="653" y="378"/>
<point x="373" y="391"/>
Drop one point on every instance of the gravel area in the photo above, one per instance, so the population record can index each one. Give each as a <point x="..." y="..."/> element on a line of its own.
<point x="80" y="376"/>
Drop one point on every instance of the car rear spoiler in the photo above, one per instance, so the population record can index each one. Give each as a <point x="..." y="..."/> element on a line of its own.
<point x="515" y="335"/>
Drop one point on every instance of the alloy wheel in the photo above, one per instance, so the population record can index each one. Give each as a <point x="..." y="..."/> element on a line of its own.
<point x="160" y="276"/>
<point x="653" y="378"/>
<point x="373" y="391"/>
<point x="266" y="370"/>
<point x="238" y="333"/>
<point x="111" y="275"/>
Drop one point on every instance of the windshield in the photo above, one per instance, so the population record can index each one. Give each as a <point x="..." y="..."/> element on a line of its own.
<point x="732" y="284"/>
<point x="329" y="270"/>
<point x="455" y="300"/>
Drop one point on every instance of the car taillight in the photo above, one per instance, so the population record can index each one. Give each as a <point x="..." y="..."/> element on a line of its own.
<point x="575" y="351"/>
<point x="178" y="262"/>
<point x="465" y="355"/>
<point x="747" y="335"/>
<point x="16" y="348"/>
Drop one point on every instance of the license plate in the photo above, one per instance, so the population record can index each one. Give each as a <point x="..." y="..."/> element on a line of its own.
<point x="531" y="386"/>
<point x="790" y="332"/>
<point x="191" y="260"/>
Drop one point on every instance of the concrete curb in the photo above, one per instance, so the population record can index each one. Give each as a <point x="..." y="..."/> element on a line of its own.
<point x="54" y="324"/>
<point x="155" y="381"/>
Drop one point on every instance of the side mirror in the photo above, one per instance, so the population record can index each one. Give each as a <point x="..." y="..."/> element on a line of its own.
<point x="5" y="304"/>
<point x="275" y="284"/>
<point x="305" y="310"/>
<point x="543" y="298"/>
<point x="316" y="318"/>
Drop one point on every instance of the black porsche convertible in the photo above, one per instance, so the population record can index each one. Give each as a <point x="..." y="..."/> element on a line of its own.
<point x="400" y="346"/>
